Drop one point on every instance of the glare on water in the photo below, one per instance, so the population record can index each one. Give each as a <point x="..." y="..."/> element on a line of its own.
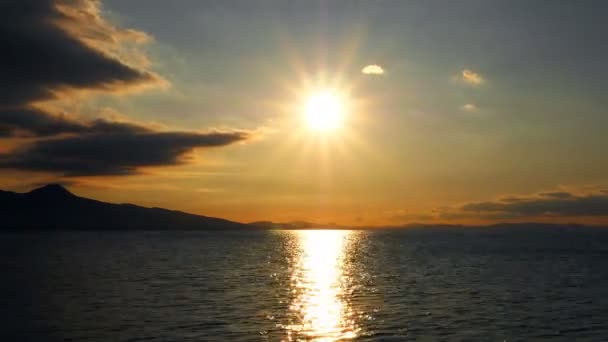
<point x="318" y="282"/>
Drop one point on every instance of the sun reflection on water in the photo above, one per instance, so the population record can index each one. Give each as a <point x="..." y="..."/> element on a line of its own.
<point x="318" y="283"/>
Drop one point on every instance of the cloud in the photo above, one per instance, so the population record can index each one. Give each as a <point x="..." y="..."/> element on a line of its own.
<point x="52" y="46"/>
<point x="544" y="204"/>
<point x="470" y="77"/>
<point x="117" y="153"/>
<point x="373" y="69"/>
<point x="34" y="122"/>
<point x="469" y="107"/>
<point x="30" y="121"/>
<point x="557" y="194"/>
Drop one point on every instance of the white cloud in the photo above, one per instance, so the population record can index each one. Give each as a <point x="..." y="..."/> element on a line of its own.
<point x="373" y="69"/>
<point x="469" y="107"/>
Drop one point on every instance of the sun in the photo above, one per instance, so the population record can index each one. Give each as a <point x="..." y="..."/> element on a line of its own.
<point x="324" y="111"/>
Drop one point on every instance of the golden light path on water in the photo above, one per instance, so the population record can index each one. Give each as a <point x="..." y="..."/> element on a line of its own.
<point x="318" y="281"/>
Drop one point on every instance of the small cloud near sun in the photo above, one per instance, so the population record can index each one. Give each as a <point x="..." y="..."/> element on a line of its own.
<point x="469" y="107"/>
<point x="471" y="77"/>
<point x="373" y="69"/>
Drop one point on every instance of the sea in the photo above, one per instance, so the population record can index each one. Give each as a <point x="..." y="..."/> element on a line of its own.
<point x="432" y="284"/>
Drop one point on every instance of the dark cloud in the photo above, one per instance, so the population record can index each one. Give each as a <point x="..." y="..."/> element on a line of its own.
<point x="113" y="154"/>
<point x="556" y="194"/>
<point x="50" y="46"/>
<point x="549" y="204"/>
<point x="34" y="122"/>
<point x="41" y="53"/>
<point x="97" y="147"/>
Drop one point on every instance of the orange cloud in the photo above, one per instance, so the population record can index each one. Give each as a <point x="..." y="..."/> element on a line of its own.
<point x="471" y="77"/>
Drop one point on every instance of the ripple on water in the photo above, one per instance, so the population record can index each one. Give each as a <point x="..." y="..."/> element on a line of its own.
<point x="304" y="285"/>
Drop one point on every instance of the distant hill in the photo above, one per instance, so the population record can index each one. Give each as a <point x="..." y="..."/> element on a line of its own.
<point x="53" y="207"/>
<point x="294" y="225"/>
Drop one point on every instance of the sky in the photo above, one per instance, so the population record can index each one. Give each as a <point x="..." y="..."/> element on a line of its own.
<point x="467" y="111"/>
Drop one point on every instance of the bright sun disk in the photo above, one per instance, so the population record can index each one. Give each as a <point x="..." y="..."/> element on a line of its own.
<point x="324" y="111"/>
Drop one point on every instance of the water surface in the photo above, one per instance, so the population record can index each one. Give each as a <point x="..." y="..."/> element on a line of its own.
<point x="417" y="285"/>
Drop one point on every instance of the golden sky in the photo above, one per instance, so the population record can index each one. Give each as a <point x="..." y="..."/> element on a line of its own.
<point x="331" y="112"/>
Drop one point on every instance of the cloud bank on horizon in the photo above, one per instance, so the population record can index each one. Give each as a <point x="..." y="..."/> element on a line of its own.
<point x="587" y="202"/>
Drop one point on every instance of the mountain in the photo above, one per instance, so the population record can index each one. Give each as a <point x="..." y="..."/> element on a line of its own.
<point x="53" y="207"/>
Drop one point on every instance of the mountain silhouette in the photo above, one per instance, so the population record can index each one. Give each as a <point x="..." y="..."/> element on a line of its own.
<point x="52" y="207"/>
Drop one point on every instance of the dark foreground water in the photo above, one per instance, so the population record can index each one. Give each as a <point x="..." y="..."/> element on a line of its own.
<point x="434" y="285"/>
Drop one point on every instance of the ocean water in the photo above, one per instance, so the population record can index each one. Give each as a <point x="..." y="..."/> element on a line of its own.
<point x="414" y="285"/>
